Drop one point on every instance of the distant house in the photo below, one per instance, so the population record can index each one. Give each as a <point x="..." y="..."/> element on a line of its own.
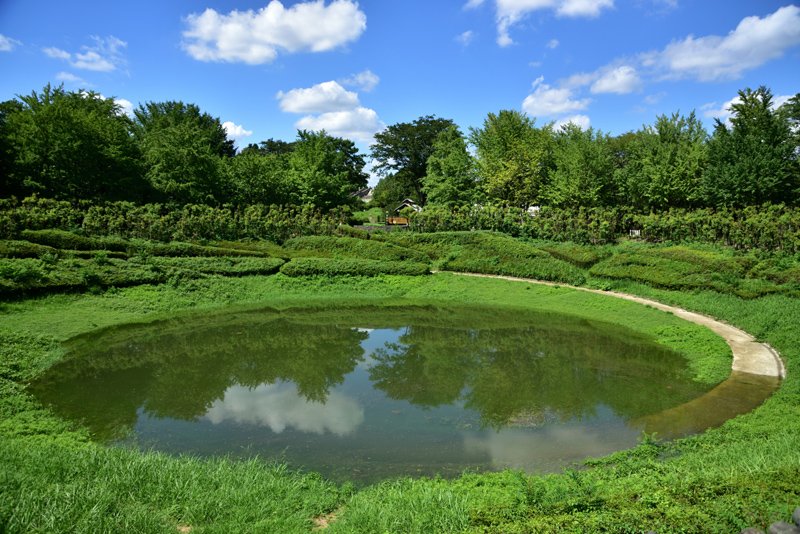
<point x="365" y="195"/>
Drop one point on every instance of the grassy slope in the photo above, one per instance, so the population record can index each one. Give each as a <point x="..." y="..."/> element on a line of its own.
<point x="742" y="474"/>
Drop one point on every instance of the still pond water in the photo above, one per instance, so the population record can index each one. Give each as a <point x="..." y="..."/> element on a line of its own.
<point x="368" y="393"/>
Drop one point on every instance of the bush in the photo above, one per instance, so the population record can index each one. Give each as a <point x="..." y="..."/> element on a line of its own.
<point x="24" y="249"/>
<point x="220" y="266"/>
<point x="351" y="267"/>
<point x="350" y="247"/>
<point x="69" y="241"/>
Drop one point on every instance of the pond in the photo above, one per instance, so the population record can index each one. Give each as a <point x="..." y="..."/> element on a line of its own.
<point x="369" y="393"/>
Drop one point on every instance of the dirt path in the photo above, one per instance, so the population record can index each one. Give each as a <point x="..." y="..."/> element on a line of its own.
<point x="749" y="356"/>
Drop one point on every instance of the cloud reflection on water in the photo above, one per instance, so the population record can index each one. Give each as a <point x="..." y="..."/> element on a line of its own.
<point x="279" y="406"/>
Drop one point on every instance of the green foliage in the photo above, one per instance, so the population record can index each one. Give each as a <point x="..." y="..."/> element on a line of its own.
<point x="755" y="160"/>
<point x="583" y="169"/>
<point x="514" y="158"/>
<point x="580" y="255"/>
<point x="451" y="179"/>
<point x="401" y="152"/>
<point x="73" y="145"/>
<point x="351" y="267"/>
<point x="664" y="164"/>
<point x="59" y="239"/>
<point x="326" y="168"/>
<point x="256" y="178"/>
<point x="24" y="249"/>
<point x="349" y="247"/>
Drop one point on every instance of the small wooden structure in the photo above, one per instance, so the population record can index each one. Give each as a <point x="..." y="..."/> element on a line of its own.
<point x="396" y="218"/>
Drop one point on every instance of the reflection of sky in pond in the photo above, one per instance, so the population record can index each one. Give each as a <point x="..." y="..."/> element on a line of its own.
<point x="279" y="406"/>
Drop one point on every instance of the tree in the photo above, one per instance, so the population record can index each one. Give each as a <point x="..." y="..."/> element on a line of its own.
<point x="754" y="160"/>
<point x="664" y="164"/>
<point x="69" y="145"/>
<point x="257" y="178"/>
<point x="182" y="150"/>
<point x="270" y="146"/>
<point x="583" y="169"/>
<point x="403" y="149"/>
<point x="451" y="178"/>
<point x="326" y="168"/>
<point x="514" y="157"/>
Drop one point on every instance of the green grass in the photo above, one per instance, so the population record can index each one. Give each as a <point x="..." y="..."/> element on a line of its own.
<point x="745" y="473"/>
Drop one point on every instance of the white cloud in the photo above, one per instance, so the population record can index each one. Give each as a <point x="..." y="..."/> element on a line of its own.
<point x="359" y="124"/>
<point x="7" y="44"/>
<point x="280" y="406"/>
<point x="654" y="99"/>
<point x="472" y="4"/>
<point x="256" y="37"/>
<point x="582" y="121"/>
<point x="321" y="98"/>
<point x="365" y="81"/>
<point x="510" y="12"/>
<point x="621" y="80"/>
<point x="548" y="101"/>
<point x="724" y="112"/>
<point x="125" y="105"/>
<point x="754" y="42"/>
<point x="464" y="39"/>
<point x="69" y="77"/>
<point x="57" y="53"/>
<point x="105" y="55"/>
<point x="236" y="131"/>
<point x="552" y="44"/>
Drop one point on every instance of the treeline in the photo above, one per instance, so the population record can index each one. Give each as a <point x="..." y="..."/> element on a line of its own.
<point x="81" y="146"/>
<point x="767" y="227"/>
<point x="510" y="161"/>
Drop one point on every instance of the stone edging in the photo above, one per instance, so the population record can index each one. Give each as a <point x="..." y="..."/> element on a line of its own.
<point x="749" y="356"/>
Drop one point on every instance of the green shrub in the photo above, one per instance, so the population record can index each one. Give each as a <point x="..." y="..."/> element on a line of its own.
<point x="350" y="247"/>
<point x="221" y="266"/>
<point x="351" y="267"/>
<point x="69" y="241"/>
<point x="581" y="255"/>
<point x="24" y="249"/>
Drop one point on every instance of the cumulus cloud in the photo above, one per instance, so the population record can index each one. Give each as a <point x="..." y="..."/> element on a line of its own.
<point x="621" y="80"/>
<point x="359" y="124"/>
<point x="7" y="44"/>
<point x="279" y="406"/>
<point x="125" y="106"/>
<point x="236" y="132"/>
<point x="364" y="81"/>
<point x="549" y="101"/>
<point x="464" y="39"/>
<point x="510" y="12"/>
<point x="321" y="98"/>
<point x="754" y="42"/>
<point x="582" y="121"/>
<point x="724" y="112"/>
<point x="256" y="37"/>
<point x="105" y="55"/>
<point x="552" y="44"/>
<point x="332" y="108"/>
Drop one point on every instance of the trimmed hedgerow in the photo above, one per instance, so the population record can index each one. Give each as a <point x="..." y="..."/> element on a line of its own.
<point x="581" y="255"/>
<point x="69" y="241"/>
<point x="350" y="247"/>
<point x="24" y="249"/>
<point x="351" y="267"/>
<point x="222" y="266"/>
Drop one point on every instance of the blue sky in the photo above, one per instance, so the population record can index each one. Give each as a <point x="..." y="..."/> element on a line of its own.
<point x="267" y="68"/>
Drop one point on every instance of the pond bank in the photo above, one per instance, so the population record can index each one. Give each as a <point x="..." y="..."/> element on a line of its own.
<point x="749" y="355"/>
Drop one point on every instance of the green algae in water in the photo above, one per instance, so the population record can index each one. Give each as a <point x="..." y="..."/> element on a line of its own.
<point x="370" y="393"/>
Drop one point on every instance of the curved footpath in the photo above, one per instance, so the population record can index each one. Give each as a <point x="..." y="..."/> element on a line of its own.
<point x="749" y="356"/>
